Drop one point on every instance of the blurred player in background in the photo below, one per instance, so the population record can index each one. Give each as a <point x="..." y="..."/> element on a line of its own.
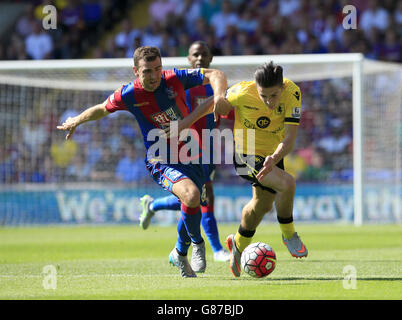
<point x="271" y="106"/>
<point x="199" y="56"/>
<point x="156" y="98"/>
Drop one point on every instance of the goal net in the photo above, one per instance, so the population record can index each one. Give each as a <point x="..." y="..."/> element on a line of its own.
<point x="347" y="158"/>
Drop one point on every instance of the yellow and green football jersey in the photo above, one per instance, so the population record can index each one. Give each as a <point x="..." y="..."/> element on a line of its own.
<point x="268" y="125"/>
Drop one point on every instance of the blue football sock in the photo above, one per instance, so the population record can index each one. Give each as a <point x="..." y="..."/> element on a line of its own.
<point x="165" y="203"/>
<point x="183" y="239"/>
<point x="210" y="227"/>
<point x="192" y="220"/>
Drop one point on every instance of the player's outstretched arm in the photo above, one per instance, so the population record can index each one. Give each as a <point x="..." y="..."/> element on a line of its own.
<point x="284" y="148"/>
<point x="219" y="84"/>
<point x="93" y="113"/>
<point x="202" y="110"/>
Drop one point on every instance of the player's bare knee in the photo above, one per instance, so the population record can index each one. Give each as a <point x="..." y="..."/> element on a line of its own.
<point x="289" y="184"/>
<point x="191" y="197"/>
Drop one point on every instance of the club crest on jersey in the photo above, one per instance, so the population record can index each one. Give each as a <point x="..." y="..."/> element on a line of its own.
<point x="279" y="110"/>
<point x="263" y="122"/>
<point x="171" y="93"/>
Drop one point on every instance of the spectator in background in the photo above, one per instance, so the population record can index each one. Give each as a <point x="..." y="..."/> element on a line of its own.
<point x="39" y="44"/>
<point x="160" y="9"/>
<point x="104" y="168"/>
<point x="398" y="14"/>
<point x="71" y="15"/>
<point x="210" y="8"/>
<point x="125" y="38"/>
<point x="190" y="10"/>
<point x="15" y="50"/>
<point x="152" y="35"/>
<point x="34" y="135"/>
<point x="131" y="167"/>
<point x="25" y="24"/>
<point x="62" y="154"/>
<point x="201" y="30"/>
<point x="374" y="17"/>
<point x="78" y="169"/>
<point x="222" y="19"/>
<point x="288" y="7"/>
<point x="91" y="13"/>
<point x="391" y="48"/>
<point x="247" y="21"/>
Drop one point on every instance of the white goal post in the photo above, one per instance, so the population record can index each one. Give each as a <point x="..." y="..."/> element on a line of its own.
<point x="96" y="74"/>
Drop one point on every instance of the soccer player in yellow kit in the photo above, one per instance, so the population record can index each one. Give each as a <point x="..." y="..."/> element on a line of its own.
<point x="271" y="107"/>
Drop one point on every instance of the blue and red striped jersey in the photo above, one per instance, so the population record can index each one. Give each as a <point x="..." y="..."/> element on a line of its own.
<point x="155" y="109"/>
<point x="195" y="97"/>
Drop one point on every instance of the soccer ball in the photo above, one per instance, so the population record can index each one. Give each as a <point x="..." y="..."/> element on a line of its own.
<point x="258" y="260"/>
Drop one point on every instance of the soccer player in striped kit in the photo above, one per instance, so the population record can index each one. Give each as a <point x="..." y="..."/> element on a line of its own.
<point x="156" y="98"/>
<point x="199" y="56"/>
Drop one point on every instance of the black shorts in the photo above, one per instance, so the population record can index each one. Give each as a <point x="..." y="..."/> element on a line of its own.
<point x="250" y="166"/>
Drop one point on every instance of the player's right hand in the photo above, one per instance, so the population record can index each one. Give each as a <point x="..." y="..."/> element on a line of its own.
<point x="222" y="107"/>
<point x="267" y="168"/>
<point x="69" y="125"/>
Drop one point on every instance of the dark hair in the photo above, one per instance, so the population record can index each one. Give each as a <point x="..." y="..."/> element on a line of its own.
<point x="269" y="75"/>
<point x="201" y="43"/>
<point x="146" y="53"/>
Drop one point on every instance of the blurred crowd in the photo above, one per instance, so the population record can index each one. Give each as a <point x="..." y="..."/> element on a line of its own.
<point x="32" y="151"/>
<point x="230" y="27"/>
<point x="236" y="27"/>
<point x="79" y="27"/>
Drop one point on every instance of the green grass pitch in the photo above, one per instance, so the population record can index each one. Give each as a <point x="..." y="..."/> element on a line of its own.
<point x="126" y="262"/>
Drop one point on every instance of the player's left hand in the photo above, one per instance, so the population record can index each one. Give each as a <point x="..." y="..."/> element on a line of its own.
<point x="267" y="168"/>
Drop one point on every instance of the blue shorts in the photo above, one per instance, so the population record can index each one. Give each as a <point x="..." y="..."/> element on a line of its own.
<point x="209" y="172"/>
<point x="166" y="175"/>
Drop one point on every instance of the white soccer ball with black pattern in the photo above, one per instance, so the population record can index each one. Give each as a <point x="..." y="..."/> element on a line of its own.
<point x="258" y="260"/>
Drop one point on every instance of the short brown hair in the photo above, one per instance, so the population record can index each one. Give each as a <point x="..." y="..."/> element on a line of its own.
<point x="269" y="75"/>
<point x="146" y="53"/>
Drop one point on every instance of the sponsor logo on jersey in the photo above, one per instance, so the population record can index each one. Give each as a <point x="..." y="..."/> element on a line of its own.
<point x="248" y="124"/>
<point x="199" y="101"/>
<point x="160" y="118"/>
<point x="263" y="122"/>
<point x="163" y="117"/>
<point x="252" y="108"/>
<point x="141" y="104"/>
<point x="297" y="95"/>
<point x="192" y="71"/>
<point x="172" y="114"/>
